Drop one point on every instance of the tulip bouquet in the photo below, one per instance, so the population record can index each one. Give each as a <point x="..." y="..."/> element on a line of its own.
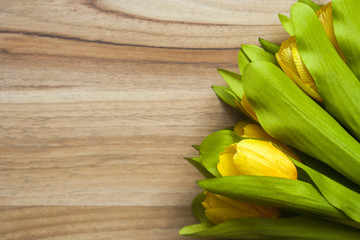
<point x="292" y="170"/>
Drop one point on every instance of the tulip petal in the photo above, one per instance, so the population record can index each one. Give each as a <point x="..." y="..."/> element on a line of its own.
<point x="346" y="23"/>
<point x="290" y="64"/>
<point x="255" y="210"/>
<point x="299" y="227"/>
<point x="226" y="165"/>
<point x="271" y="191"/>
<point x="262" y="158"/>
<point x="269" y="46"/>
<point x="288" y="114"/>
<point x="337" y="85"/>
<point x="252" y="130"/>
<point x="325" y="17"/>
<point x="219" y="209"/>
<point x="248" y="109"/>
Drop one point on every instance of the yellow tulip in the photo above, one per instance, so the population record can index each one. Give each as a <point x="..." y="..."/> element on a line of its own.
<point x="291" y="63"/>
<point x="325" y="17"/>
<point x="220" y="208"/>
<point x="252" y="130"/>
<point x="255" y="157"/>
<point x="248" y="157"/>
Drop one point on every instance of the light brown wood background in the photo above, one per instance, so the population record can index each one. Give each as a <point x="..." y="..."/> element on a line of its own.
<point x="100" y="100"/>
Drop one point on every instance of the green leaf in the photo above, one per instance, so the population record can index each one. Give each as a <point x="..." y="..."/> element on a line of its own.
<point x="288" y="114"/>
<point x="287" y="24"/>
<point x="255" y="53"/>
<point x="225" y="94"/>
<point x="213" y="145"/>
<point x="243" y="60"/>
<point x="197" y="208"/>
<point x="196" y="162"/>
<point x="269" y="46"/>
<point x="272" y="191"/>
<point x="311" y="4"/>
<point x="294" y="228"/>
<point x="335" y="193"/>
<point x="327" y="171"/>
<point x="196" y="147"/>
<point x="234" y="82"/>
<point x="346" y="23"/>
<point x="336" y="83"/>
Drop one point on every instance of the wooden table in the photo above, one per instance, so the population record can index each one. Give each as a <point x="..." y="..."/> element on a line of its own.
<point x="100" y="100"/>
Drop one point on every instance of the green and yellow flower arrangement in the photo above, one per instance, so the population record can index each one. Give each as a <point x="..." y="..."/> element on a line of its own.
<point x="292" y="170"/>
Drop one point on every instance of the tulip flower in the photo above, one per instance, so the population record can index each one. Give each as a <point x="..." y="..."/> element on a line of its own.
<point x="220" y="208"/>
<point x="247" y="129"/>
<point x="248" y="157"/>
<point x="291" y="63"/>
<point x="250" y="166"/>
<point x="255" y="157"/>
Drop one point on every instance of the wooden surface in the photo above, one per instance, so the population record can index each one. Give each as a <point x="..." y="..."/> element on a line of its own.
<point x="100" y="101"/>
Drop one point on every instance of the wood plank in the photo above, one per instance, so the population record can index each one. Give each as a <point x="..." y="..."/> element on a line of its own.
<point x="190" y="24"/>
<point x="126" y="223"/>
<point x="98" y="129"/>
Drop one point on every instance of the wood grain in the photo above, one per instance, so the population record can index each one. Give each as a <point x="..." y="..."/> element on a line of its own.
<point x="92" y="222"/>
<point x="100" y="100"/>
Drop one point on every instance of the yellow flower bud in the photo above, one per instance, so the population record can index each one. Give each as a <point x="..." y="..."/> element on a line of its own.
<point x="325" y="17"/>
<point x="220" y="208"/>
<point x="290" y="61"/>
<point x="255" y="157"/>
<point x="252" y="130"/>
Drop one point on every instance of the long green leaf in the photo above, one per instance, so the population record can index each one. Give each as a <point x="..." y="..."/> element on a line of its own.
<point x="213" y="145"/>
<point x="271" y="191"/>
<point x="243" y="60"/>
<point x="294" y="228"/>
<point x="196" y="162"/>
<point x="288" y="114"/>
<point x="225" y="94"/>
<point x="335" y="193"/>
<point x="255" y="53"/>
<point x="287" y="24"/>
<point x="269" y="46"/>
<point x="196" y="147"/>
<point x="234" y="81"/>
<point x="346" y="23"/>
<point x="336" y="83"/>
<point x="327" y="171"/>
<point x="311" y="4"/>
